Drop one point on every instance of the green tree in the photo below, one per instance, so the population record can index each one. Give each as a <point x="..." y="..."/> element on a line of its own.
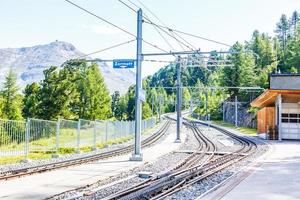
<point x="76" y="91"/>
<point x="121" y="108"/>
<point x="1" y="106"/>
<point x="186" y="97"/>
<point x="115" y="98"/>
<point x="131" y="103"/>
<point x="262" y="45"/>
<point x="31" y="101"/>
<point x="294" y="21"/>
<point x="12" y="104"/>
<point x="94" y="98"/>
<point x="146" y="110"/>
<point x="293" y="53"/>
<point x="55" y="95"/>
<point x="242" y="72"/>
<point x="282" y="29"/>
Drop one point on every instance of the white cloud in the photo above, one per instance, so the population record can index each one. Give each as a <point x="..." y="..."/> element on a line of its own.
<point x="101" y="29"/>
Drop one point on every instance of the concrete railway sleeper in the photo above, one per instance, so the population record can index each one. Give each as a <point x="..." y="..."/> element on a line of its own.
<point x="195" y="168"/>
<point x="83" y="160"/>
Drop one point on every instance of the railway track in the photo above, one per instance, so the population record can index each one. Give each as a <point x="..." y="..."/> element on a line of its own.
<point x="83" y="160"/>
<point x="195" y="168"/>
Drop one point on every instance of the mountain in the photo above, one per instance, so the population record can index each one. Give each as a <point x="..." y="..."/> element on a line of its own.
<point x="30" y="62"/>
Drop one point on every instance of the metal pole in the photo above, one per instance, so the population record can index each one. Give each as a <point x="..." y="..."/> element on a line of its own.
<point x="178" y="100"/>
<point x="159" y="106"/>
<point x="95" y="136"/>
<point x="78" y="136"/>
<point x="236" y="111"/>
<point x="152" y="106"/>
<point x="191" y="106"/>
<point x="57" y="136"/>
<point x="137" y="156"/>
<point x="224" y="111"/>
<point x="27" y="140"/>
<point x="206" y="105"/>
<point x="106" y="131"/>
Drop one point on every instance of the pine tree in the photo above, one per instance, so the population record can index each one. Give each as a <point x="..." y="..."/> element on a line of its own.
<point x="242" y="72"/>
<point x="146" y="110"/>
<point x="282" y="29"/>
<point x="294" y="21"/>
<point x="262" y="45"/>
<point x="1" y="106"/>
<point x="97" y="98"/>
<point x="293" y="53"/>
<point x="12" y="105"/>
<point x="115" y="98"/>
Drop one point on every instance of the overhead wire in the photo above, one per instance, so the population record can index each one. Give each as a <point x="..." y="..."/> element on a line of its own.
<point x="147" y="18"/>
<point x="172" y="33"/>
<point x="112" y="24"/>
<point x="189" y="34"/>
<point x="108" y="48"/>
<point x="125" y="4"/>
<point x="102" y="19"/>
<point x="156" y="28"/>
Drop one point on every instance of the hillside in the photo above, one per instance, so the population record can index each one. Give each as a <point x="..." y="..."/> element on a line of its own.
<point x="30" y="62"/>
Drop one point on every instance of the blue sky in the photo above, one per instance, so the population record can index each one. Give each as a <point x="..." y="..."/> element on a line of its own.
<point x="32" y="22"/>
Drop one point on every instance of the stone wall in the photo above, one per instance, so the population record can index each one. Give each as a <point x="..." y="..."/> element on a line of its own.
<point x="244" y="117"/>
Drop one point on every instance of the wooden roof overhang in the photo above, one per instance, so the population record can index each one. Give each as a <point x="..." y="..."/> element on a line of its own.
<point x="268" y="97"/>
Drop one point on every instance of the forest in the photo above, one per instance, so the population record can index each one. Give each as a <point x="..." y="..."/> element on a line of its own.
<point x="77" y="89"/>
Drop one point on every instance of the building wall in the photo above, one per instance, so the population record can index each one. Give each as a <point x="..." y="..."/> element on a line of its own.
<point x="265" y="119"/>
<point x="285" y="82"/>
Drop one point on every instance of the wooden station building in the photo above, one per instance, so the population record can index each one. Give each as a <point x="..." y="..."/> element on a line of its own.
<point x="279" y="114"/>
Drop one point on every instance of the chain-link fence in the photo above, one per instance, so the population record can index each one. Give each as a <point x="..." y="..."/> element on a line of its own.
<point x="19" y="138"/>
<point x="12" y="137"/>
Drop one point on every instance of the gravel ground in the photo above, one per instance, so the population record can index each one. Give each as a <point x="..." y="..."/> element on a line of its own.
<point x="127" y="179"/>
<point x="35" y="163"/>
<point x="203" y="186"/>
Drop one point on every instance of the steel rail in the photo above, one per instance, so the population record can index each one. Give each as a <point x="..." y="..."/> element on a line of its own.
<point x="246" y="142"/>
<point x="177" y="180"/>
<point x="183" y="167"/>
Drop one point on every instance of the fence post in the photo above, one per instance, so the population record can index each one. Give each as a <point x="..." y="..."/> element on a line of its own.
<point x="236" y="111"/>
<point x="78" y="136"/>
<point x="27" y="136"/>
<point x="57" y="138"/>
<point x="95" y="137"/>
<point x="106" y="127"/>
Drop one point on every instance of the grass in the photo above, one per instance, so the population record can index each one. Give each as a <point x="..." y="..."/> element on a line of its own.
<point x="245" y="130"/>
<point x="15" y="159"/>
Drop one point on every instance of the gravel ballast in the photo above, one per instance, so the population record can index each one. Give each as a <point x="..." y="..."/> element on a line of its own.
<point x="201" y="187"/>
<point x="125" y="180"/>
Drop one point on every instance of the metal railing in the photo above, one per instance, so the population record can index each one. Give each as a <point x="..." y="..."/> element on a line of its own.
<point x="19" y="138"/>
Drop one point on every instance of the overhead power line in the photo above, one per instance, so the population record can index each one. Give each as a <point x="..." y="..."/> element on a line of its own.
<point x="155" y="46"/>
<point x="128" y="6"/>
<point x="112" y="24"/>
<point x="172" y="33"/>
<point x="97" y="16"/>
<point x="157" y="28"/>
<point x="147" y="18"/>
<point x="189" y="34"/>
<point x="108" y="48"/>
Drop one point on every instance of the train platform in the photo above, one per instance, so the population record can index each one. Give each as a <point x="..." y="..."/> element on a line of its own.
<point x="275" y="176"/>
<point x="41" y="186"/>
